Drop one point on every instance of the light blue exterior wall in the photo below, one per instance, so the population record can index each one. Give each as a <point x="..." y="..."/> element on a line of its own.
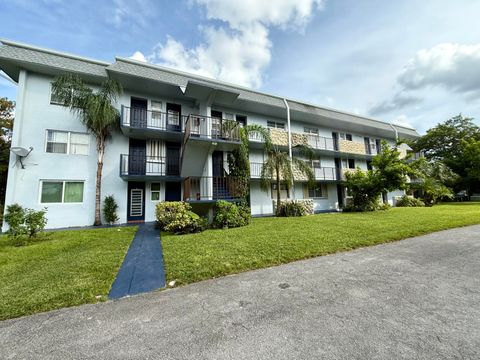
<point x="35" y="115"/>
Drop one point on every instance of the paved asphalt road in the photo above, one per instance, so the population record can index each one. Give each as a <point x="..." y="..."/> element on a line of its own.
<point x="418" y="298"/>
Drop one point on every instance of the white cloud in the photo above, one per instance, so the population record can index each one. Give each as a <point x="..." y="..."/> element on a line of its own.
<point x="238" y="49"/>
<point x="131" y="12"/>
<point x="137" y="55"/>
<point x="452" y="66"/>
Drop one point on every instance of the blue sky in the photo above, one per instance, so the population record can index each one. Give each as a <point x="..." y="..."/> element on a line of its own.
<point x="410" y="62"/>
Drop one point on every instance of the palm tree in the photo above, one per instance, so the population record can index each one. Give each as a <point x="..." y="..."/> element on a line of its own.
<point x="96" y="111"/>
<point x="278" y="168"/>
<point x="238" y="159"/>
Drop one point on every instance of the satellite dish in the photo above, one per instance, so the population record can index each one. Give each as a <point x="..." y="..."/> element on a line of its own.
<point x="21" y="153"/>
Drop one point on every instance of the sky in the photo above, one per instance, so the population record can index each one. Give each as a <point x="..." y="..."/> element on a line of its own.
<point x="410" y="62"/>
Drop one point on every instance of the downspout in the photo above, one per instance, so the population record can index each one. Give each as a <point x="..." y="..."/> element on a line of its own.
<point x="395" y="130"/>
<point x="289" y="133"/>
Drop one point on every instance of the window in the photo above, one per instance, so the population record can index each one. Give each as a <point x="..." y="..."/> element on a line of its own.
<point x="369" y="165"/>
<point x="309" y="130"/>
<point x="64" y="142"/>
<point x="54" y="100"/>
<point x="61" y="192"/>
<point x="348" y="163"/>
<point x="276" y="125"/>
<point x="229" y="116"/>
<point x="317" y="191"/>
<point x="346" y="136"/>
<point x="316" y="164"/>
<point x="157" y="114"/>
<point x="241" y="120"/>
<point x="284" y="191"/>
<point x="57" y="142"/>
<point x="155" y="191"/>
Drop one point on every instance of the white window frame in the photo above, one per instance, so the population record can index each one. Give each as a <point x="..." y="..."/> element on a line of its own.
<point x="324" y="191"/>
<point x="156" y="191"/>
<point x="310" y="130"/>
<point x="63" y="192"/>
<point x="276" y="125"/>
<point x="69" y="133"/>
<point x="54" y="102"/>
<point x="343" y="136"/>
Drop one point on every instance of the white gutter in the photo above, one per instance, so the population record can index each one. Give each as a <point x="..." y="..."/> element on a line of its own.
<point x="394" y="129"/>
<point x="288" y="128"/>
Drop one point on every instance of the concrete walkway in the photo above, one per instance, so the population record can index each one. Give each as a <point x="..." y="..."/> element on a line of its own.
<point x="142" y="270"/>
<point x="413" y="299"/>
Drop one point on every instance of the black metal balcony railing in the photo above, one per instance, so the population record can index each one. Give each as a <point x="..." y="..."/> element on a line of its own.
<point x="211" y="128"/>
<point x="158" y="120"/>
<point x="211" y="188"/>
<point x="138" y="165"/>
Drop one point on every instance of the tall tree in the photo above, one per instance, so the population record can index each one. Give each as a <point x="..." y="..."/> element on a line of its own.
<point x="7" y="108"/>
<point x="389" y="173"/>
<point x="96" y="111"/>
<point x="447" y="142"/>
<point x="238" y="159"/>
<point x="279" y="168"/>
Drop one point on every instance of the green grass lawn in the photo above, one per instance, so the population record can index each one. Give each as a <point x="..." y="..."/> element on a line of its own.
<point x="60" y="269"/>
<point x="272" y="241"/>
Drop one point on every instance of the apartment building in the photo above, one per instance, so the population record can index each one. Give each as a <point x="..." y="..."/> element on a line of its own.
<point x="174" y="134"/>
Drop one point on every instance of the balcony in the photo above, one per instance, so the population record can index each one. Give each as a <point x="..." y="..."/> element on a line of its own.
<point x="141" y="167"/>
<point x="211" y="129"/>
<point x="142" y="123"/>
<point x="321" y="174"/>
<point x="208" y="189"/>
<point x="202" y="135"/>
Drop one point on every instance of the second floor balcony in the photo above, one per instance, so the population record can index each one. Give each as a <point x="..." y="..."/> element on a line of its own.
<point x="321" y="173"/>
<point x="144" y="167"/>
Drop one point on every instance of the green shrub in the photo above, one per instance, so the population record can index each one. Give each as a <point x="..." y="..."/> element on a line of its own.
<point x="15" y="218"/>
<point x="290" y="208"/>
<point x="35" y="221"/>
<point x="110" y="208"/>
<point x="231" y="215"/>
<point x="25" y="221"/>
<point x="177" y="217"/>
<point x="408" y="201"/>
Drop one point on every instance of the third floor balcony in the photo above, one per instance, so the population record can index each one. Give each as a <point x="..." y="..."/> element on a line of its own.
<point x="143" y="123"/>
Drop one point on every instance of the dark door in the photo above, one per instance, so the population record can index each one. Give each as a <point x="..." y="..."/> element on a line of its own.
<point x="217" y="164"/>
<point x="137" y="157"/>
<point x="174" y="117"/>
<point x="173" y="191"/>
<point x="173" y="159"/>
<point x="136" y="201"/>
<point x="340" y="192"/>
<point x="378" y="145"/>
<point x="216" y="124"/>
<point x="138" y="113"/>
<point x="368" y="150"/>
<point x="338" y="170"/>
<point x="335" y="140"/>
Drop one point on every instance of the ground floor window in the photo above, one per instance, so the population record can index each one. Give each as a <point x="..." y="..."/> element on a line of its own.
<point x="284" y="191"/>
<point x="155" y="191"/>
<point x="316" y="191"/>
<point x="61" y="192"/>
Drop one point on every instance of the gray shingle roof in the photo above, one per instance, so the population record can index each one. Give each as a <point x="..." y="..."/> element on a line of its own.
<point x="22" y="55"/>
<point x="28" y="54"/>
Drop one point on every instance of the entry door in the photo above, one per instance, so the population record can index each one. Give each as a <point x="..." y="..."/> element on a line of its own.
<point x="173" y="159"/>
<point x="217" y="164"/>
<point x="138" y="113"/>
<point x="174" y="117"/>
<point x="137" y="158"/>
<point x="368" y="149"/>
<point x="216" y="124"/>
<point x="173" y="191"/>
<point x="335" y="141"/>
<point x="136" y="201"/>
